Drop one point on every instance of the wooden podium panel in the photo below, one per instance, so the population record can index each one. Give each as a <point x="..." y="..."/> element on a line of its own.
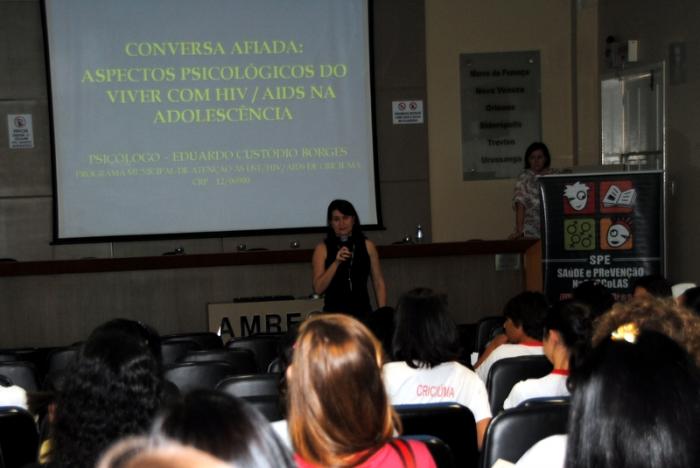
<point x="247" y="318"/>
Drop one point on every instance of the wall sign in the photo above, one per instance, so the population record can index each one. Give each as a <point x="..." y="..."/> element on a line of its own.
<point x="500" y="95"/>
<point x="602" y="227"/>
<point x="20" y="131"/>
<point x="407" y="112"/>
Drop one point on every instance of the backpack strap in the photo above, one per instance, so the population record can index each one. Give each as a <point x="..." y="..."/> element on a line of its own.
<point x="403" y="448"/>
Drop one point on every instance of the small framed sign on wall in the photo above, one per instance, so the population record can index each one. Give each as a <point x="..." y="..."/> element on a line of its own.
<point x="501" y="112"/>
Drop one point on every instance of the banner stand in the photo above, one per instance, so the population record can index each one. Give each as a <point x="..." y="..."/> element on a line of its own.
<point x="603" y="227"/>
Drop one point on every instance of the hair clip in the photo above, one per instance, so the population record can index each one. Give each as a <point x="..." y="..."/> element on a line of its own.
<point x="627" y="332"/>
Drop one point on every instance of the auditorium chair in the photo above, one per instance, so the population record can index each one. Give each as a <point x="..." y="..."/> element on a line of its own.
<point x="512" y="432"/>
<point x="21" y="373"/>
<point x="60" y="358"/>
<point x="188" y="376"/>
<point x="439" y="450"/>
<point x="172" y="351"/>
<point x="451" y="422"/>
<point x="242" y="359"/>
<point x="19" y="437"/>
<point x="505" y="373"/>
<point x="486" y="329"/>
<point x="244" y="386"/>
<point x="260" y="390"/>
<point x="265" y="346"/>
<point x="206" y="340"/>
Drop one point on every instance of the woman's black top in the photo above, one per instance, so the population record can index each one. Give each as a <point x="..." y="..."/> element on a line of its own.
<point x="347" y="291"/>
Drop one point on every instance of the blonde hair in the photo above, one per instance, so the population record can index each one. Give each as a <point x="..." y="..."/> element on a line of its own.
<point x="339" y="413"/>
<point x="660" y="315"/>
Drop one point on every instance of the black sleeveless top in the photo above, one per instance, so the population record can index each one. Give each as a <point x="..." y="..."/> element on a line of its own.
<point x="347" y="291"/>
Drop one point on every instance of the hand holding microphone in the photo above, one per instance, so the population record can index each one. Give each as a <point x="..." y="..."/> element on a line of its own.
<point x="345" y="251"/>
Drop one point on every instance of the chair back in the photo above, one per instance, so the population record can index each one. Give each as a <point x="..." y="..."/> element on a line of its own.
<point x="21" y="373"/>
<point x="486" y="329"/>
<point x="505" y="373"/>
<point x="242" y="359"/>
<point x="19" y="437"/>
<point x="173" y="351"/>
<point x="60" y="358"/>
<point x="265" y="346"/>
<point x="439" y="450"/>
<point x="260" y="390"/>
<point x="561" y="400"/>
<point x="253" y="385"/>
<point x="268" y="405"/>
<point x="206" y="340"/>
<point x="188" y="376"/>
<point x="451" y="422"/>
<point x="512" y="432"/>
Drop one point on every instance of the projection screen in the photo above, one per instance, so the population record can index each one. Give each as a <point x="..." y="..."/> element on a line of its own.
<point x="176" y="117"/>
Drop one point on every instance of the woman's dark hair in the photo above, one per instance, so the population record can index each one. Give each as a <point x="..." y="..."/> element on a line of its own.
<point x="538" y="145"/>
<point x="691" y="299"/>
<point x="594" y="295"/>
<point x="347" y="209"/>
<point x="635" y="405"/>
<point x="381" y="323"/>
<point x="572" y="320"/>
<point x="425" y="335"/>
<point x="224" y="426"/>
<point x="111" y="390"/>
<point x="527" y="310"/>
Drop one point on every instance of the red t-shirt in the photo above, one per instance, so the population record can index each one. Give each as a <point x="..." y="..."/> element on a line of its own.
<point x="388" y="457"/>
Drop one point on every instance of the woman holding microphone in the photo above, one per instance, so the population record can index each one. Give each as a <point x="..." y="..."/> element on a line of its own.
<point x="343" y="262"/>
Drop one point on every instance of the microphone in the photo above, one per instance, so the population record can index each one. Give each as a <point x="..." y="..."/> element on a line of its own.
<point x="345" y="242"/>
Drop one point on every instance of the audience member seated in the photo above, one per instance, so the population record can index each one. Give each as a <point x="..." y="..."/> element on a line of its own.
<point x="339" y="413"/>
<point x="636" y="405"/>
<point x="652" y="285"/>
<point x="635" y="398"/>
<point x="524" y="314"/>
<point x="426" y="349"/>
<point x="596" y="296"/>
<point x="112" y="390"/>
<point x="678" y="323"/>
<point x="567" y="334"/>
<point x="223" y="426"/>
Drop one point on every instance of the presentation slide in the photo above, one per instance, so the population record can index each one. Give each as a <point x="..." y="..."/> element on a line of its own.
<point x="211" y="116"/>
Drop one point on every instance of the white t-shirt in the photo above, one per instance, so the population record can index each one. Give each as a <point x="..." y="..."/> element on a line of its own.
<point x="447" y="382"/>
<point x="281" y="428"/>
<point x="547" y="453"/>
<point x="13" y="396"/>
<point x="551" y="385"/>
<point x="507" y="351"/>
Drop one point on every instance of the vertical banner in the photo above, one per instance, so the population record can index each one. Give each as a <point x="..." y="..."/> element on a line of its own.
<point x="604" y="227"/>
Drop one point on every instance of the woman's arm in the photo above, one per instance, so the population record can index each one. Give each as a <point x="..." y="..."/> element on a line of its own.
<point x="519" y="221"/>
<point x="323" y="276"/>
<point x="481" y="427"/>
<point x="376" y="272"/>
<point x="497" y="341"/>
